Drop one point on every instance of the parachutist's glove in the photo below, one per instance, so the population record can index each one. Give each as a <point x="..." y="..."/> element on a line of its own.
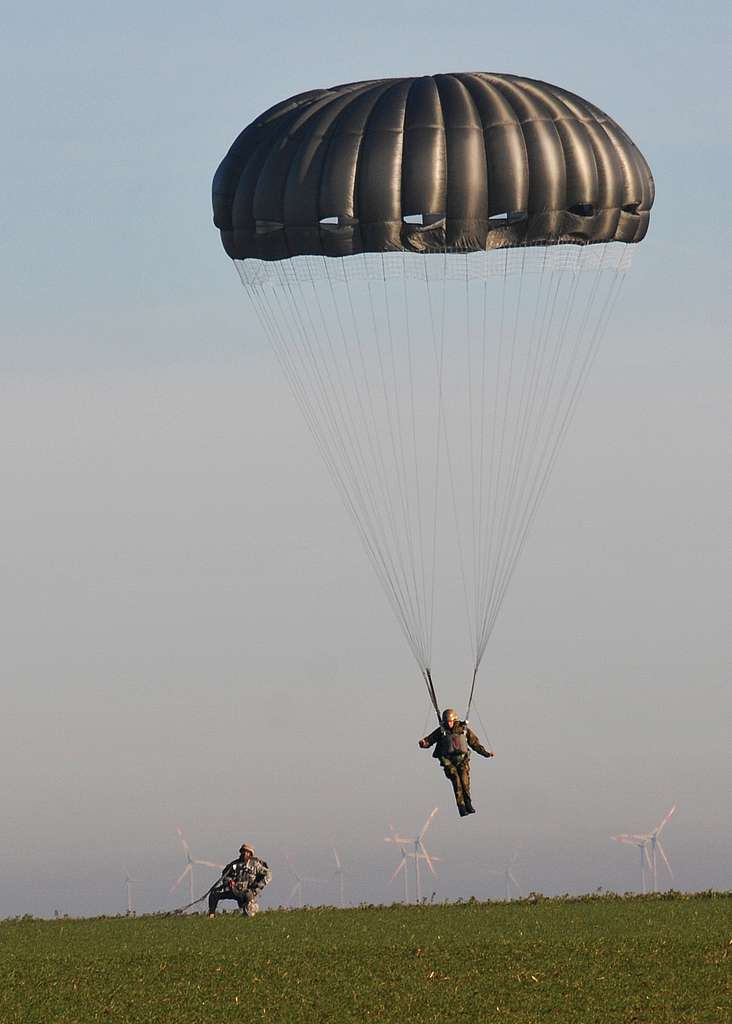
<point x="423" y="744"/>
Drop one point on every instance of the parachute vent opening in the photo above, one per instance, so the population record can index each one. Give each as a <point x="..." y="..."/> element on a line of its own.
<point x="336" y="221"/>
<point x="507" y="217"/>
<point x="424" y="220"/>
<point x="630" y="207"/>
<point x="583" y="209"/>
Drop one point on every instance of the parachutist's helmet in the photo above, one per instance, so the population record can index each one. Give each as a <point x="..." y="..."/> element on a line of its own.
<point x="449" y="717"/>
<point x="246" y="848"/>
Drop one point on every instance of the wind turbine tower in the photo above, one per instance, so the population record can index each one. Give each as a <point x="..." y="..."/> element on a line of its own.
<point x="298" y="888"/>
<point x="649" y="841"/>
<point x="508" y="877"/>
<point x="190" y="862"/>
<point x="129" y="882"/>
<point x="339" y="877"/>
<point x="418" y="853"/>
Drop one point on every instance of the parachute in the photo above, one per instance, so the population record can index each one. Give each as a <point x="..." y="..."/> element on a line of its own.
<point x="434" y="261"/>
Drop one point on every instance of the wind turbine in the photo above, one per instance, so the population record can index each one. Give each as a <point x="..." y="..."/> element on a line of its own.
<point x="645" y="841"/>
<point x="297" y="889"/>
<point x="129" y="882"/>
<point x="190" y="861"/>
<point x="508" y="876"/>
<point x="419" y="853"/>
<point x="402" y="865"/>
<point x="339" y="876"/>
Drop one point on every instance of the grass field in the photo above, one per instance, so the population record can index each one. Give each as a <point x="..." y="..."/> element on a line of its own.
<point x="592" y="960"/>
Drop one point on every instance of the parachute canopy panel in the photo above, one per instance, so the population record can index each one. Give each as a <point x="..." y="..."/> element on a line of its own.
<point x="454" y="162"/>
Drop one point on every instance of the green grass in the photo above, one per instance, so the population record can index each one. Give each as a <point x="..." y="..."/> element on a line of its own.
<point x="593" y="960"/>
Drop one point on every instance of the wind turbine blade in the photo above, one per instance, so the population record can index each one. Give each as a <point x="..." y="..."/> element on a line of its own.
<point x="647" y="857"/>
<point x="421" y="856"/>
<point x="513" y="879"/>
<point x="182" y="839"/>
<point x="337" y="859"/>
<point x="663" y="824"/>
<point x="665" y="858"/>
<point x="210" y="864"/>
<point x="631" y="840"/>
<point x="294" y="890"/>
<point x="427" y="824"/>
<point x="180" y="878"/>
<point x="400" y="867"/>
<point x="425" y="856"/>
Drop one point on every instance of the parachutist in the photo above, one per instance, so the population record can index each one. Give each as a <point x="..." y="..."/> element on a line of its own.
<point x="453" y="740"/>
<point x="241" y="880"/>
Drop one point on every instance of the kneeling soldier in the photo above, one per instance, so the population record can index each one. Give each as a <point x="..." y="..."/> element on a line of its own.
<point x="453" y="739"/>
<point x="241" y="880"/>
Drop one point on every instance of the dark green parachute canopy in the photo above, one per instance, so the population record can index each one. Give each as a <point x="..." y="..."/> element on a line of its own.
<point x="458" y="162"/>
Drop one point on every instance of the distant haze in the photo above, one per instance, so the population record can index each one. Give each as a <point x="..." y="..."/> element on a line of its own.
<point x="192" y="633"/>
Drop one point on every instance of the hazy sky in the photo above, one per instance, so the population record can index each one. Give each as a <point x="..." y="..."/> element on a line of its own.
<point x="192" y="634"/>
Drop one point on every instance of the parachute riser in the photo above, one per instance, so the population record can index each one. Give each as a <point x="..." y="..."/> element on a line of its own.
<point x="432" y="694"/>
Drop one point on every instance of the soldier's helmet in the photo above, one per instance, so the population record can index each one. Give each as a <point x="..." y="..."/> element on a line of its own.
<point x="246" y="848"/>
<point x="449" y="713"/>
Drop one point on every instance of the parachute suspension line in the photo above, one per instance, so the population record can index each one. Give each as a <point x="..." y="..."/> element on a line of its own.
<point x="417" y="475"/>
<point x="498" y="442"/>
<point x="283" y="335"/>
<point x="442" y="435"/>
<point x="509" y="550"/>
<point x="409" y="597"/>
<point x="427" y="715"/>
<point x="575" y="375"/>
<point x="351" y="359"/>
<point x="472" y="691"/>
<point x="436" y="449"/>
<point x="364" y="476"/>
<point x="404" y="595"/>
<point x="515" y="450"/>
<point x="478" y="582"/>
<point x="442" y="421"/>
<point x="401" y="473"/>
<point x="381" y="474"/>
<point x="361" y="473"/>
<point x="486" y="739"/>
<point x="567" y="418"/>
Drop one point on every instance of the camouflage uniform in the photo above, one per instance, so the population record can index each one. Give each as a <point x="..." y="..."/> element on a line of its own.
<point x="241" y="880"/>
<point x="451" y="750"/>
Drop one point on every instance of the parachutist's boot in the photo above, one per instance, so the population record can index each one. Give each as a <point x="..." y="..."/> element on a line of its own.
<point x="469" y="809"/>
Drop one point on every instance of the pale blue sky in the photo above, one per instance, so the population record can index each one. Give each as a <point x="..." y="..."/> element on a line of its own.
<point x="175" y="632"/>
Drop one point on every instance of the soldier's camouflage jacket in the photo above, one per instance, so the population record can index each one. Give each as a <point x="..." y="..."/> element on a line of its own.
<point x="249" y="876"/>
<point x="453" y="744"/>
